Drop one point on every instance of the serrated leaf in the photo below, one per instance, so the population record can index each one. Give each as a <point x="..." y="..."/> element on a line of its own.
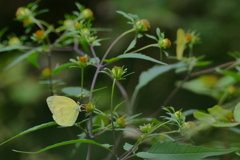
<point x="177" y="151"/>
<point x="209" y="119"/>
<point x="106" y="146"/>
<point x="236" y="112"/>
<point x="60" y="68"/>
<point x="33" y="59"/>
<point x="31" y="130"/>
<point x="181" y="41"/>
<point x="220" y="114"/>
<point x="135" y="55"/>
<point x="22" y="57"/>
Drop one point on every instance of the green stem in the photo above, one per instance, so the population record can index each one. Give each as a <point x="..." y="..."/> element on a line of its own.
<point x="161" y="54"/>
<point x="190" y="50"/>
<point x="112" y="119"/>
<point x="223" y="98"/>
<point x="114" y="42"/>
<point x="82" y="79"/>
<point x="145" y="47"/>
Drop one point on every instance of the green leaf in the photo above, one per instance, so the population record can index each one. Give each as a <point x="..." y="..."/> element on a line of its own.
<point x="151" y="74"/>
<point x="132" y="45"/>
<point x="125" y="15"/>
<point x="31" y="130"/>
<point x="33" y="59"/>
<point x="59" y="68"/>
<point x="236" y="112"/>
<point x="75" y="91"/>
<point x="220" y="114"/>
<point x="232" y="74"/>
<point x="127" y="146"/>
<point x="177" y="151"/>
<point x="135" y="55"/>
<point x="224" y="124"/>
<point x="22" y="57"/>
<point x="9" y="48"/>
<point x="117" y="106"/>
<point x="106" y="146"/>
<point x="209" y="119"/>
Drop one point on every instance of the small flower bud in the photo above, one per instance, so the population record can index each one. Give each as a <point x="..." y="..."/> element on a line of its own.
<point x="23" y="13"/>
<point x="46" y="72"/>
<point x="121" y="121"/>
<point x="117" y="72"/>
<point x="142" y="25"/>
<point x="87" y="13"/>
<point x="190" y="37"/>
<point x="90" y="107"/>
<point x="165" y="43"/>
<point x="28" y="21"/>
<point x="146" y="128"/>
<point x="85" y="32"/>
<point x="83" y="61"/>
<point x="188" y="129"/>
<point x="231" y="90"/>
<point x="209" y="81"/>
<point x="39" y="34"/>
<point x="77" y="25"/>
<point x="68" y="23"/>
<point x="14" y="41"/>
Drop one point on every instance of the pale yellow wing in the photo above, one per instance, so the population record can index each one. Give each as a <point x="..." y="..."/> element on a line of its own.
<point x="181" y="42"/>
<point x="65" y="110"/>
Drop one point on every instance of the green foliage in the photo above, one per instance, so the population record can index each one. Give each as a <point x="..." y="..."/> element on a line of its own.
<point x="176" y="151"/>
<point x="103" y="111"/>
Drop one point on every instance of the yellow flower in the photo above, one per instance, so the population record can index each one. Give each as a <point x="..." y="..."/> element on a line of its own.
<point x="46" y="72"/>
<point x="121" y="121"/>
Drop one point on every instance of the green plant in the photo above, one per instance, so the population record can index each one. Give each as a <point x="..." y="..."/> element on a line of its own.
<point x="166" y="135"/>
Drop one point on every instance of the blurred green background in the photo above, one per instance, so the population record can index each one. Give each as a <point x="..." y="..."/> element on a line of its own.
<point x="22" y="99"/>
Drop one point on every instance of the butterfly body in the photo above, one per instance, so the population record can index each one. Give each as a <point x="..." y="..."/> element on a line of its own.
<point x="65" y="110"/>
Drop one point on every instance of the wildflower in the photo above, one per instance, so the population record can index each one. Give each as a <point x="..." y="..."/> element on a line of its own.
<point x="142" y="25"/>
<point x="23" y="13"/>
<point x="146" y="128"/>
<point x="209" y="80"/>
<point x="87" y="13"/>
<point x="14" y="41"/>
<point x="231" y="90"/>
<point x="121" y="121"/>
<point x="83" y="62"/>
<point x="117" y="72"/>
<point x="90" y="107"/>
<point x="39" y="34"/>
<point x="165" y="43"/>
<point x="46" y="72"/>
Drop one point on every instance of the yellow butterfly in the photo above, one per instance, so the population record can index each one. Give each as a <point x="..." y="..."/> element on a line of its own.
<point x="181" y="42"/>
<point x="65" y="110"/>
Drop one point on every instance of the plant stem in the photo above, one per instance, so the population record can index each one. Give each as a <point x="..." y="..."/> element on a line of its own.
<point x="145" y="47"/>
<point x="82" y="79"/>
<point x="112" y="119"/>
<point x="114" y="42"/>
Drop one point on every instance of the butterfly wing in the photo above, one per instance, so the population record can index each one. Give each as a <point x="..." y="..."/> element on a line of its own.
<point x="181" y="41"/>
<point x="65" y="110"/>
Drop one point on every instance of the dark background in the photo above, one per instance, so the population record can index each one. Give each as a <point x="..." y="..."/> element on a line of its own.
<point x="22" y="99"/>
